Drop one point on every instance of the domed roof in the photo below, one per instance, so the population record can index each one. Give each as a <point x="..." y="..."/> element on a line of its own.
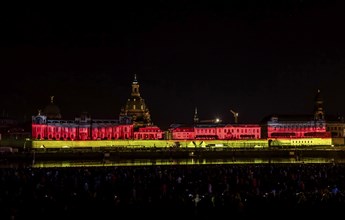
<point x="52" y="111"/>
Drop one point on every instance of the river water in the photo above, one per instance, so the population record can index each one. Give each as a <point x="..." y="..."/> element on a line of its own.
<point x="171" y="162"/>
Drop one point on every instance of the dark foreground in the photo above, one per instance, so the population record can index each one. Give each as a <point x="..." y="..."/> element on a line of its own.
<point x="172" y="192"/>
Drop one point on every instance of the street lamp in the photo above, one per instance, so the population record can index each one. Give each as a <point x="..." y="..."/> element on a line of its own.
<point x="24" y="147"/>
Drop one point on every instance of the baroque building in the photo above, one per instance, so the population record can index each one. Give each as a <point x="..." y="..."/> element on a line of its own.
<point x="48" y="125"/>
<point x="134" y="123"/>
<point x="136" y="108"/>
<point x="298" y="129"/>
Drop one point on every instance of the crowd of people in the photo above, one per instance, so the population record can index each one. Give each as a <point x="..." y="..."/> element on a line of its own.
<point x="177" y="191"/>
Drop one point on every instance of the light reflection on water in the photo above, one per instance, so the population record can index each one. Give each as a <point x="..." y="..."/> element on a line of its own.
<point x="187" y="161"/>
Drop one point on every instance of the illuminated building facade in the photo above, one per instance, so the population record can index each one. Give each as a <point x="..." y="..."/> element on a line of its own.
<point x="134" y="123"/>
<point x="136" y="108"/>
<point x="299" y="127"/>
<point x="82" y="128"/>
<point x="213" y="129"/>
<point x="148" y="133"/>
<point x="216" y="131"/>
<point x="336" y="126"/>
<point x="286" y="126"/>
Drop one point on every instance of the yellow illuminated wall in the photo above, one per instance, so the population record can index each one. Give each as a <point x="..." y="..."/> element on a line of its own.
<point x="45" y="144"/>
<point x="182" y="144"/>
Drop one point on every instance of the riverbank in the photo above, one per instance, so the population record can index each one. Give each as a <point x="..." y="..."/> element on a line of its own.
<point x="170" y="154"/>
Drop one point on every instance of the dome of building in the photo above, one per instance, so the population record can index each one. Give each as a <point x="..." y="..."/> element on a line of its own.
<point x="136" y="107"/>
<point x="52" y="111"/>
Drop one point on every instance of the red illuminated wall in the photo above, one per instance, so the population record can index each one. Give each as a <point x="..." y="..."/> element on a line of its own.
<point x="183" y="133"/>
<point x="239" y="132"/>
<point x="64" y="132"/>
<point x="297" y="130"/>
<point x="228" y="132"/>
<point x="148" y="133"/>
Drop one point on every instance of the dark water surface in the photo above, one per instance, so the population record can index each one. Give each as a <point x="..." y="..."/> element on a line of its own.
<point x="170" y="162"/>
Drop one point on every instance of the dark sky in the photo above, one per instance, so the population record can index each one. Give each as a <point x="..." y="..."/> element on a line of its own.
<point x="255" y="57"/>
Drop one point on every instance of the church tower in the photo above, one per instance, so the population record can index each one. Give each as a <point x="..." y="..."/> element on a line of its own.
<point x="136" y="108"/>
<point x="319" y="113"/>
<point x="196" y="117"/>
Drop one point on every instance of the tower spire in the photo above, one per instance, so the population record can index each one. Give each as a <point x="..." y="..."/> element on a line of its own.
<point x="135" y="87"/>
<point x="319" y="112"/>
<point x="196" y="118"/>
<point x="135" y="81"/>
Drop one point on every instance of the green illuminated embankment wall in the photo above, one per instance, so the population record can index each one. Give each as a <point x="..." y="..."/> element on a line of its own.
<point x="184" y="143"/>
<point x="148" y="143"/>
<point x="302" y="142"/>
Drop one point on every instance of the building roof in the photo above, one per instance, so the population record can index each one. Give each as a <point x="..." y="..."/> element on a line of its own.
<point x="287" y="117"/>
<point x="300" y="117"/>
<point x="52" y="111"/>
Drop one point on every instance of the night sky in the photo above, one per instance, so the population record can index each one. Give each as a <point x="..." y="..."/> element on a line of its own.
<point x="255" y="57"/>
